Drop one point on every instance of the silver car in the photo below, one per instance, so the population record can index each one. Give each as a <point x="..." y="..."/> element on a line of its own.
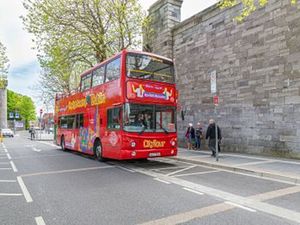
<point x="7" y="132"/>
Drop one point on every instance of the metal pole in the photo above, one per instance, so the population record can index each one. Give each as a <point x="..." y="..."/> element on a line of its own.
<point x="15" y="123"/>
<point x="216" y="130"/>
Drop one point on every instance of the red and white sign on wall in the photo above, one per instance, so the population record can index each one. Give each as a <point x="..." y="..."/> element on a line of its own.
<point x="216" y="100"/>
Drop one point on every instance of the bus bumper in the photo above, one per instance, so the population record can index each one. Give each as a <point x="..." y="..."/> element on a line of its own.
<point x="146" y="153"/>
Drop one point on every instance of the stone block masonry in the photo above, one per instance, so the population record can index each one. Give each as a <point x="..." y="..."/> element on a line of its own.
<point x="258" y="72"/>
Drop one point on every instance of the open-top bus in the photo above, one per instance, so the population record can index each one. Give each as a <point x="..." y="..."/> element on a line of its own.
<point x="125" y="109"/>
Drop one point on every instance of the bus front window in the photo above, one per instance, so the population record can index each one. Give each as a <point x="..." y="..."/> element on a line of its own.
<point x="149" y="68"/>
<point x="149" y="118"/>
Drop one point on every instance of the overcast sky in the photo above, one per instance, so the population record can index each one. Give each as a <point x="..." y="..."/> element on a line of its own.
<point x="24" y="69"/>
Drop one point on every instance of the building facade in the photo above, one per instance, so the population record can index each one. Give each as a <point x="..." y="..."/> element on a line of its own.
<point x="257" y="66"/>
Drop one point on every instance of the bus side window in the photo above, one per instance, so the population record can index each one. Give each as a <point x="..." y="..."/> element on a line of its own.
<point x="98" y="76"/>
<point x="63" y="122"/>
<point x="86" y="82"/>
<point x="79" y="119"/>
<point x="113" y="70"/>
<point x="114" y="118"/>
<point x="71" y="122"/>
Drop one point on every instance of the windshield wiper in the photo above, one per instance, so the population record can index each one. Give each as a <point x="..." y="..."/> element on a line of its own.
<point x="164" y="129"/>
<point x="142" y="131"/>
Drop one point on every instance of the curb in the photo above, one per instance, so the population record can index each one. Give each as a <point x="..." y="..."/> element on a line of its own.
<point x="293" y="180"/>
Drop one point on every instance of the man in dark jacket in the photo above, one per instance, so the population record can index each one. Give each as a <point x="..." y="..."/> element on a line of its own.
<point x="211" y="134"/>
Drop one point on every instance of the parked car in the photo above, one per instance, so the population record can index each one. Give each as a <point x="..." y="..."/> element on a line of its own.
<point x="7" y="132"/>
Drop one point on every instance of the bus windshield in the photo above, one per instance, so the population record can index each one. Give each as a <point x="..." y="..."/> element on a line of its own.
<point x="149" y="67"/>
<point x="149" y="118"/>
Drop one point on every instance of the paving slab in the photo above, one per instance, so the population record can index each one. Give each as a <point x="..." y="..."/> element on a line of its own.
<point x="285" y="170"/>
<point x="278" y="167"/>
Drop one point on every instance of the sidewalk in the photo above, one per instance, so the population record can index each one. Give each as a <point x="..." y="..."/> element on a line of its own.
<point x="276" y="168"/>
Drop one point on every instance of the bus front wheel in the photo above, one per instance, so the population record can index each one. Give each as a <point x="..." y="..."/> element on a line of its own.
<point x="98" y="151"/>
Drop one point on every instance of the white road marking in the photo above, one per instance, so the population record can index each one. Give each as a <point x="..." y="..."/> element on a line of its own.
<point x="190" y="215"/>
<point x="50" y="144"/>
<point x="7" y="181"/>
<point x="240" y="206"/>
<point x="178" y="171"/>
<point x="163" y="181"/>
<point x="10" y="194"/>
<point x="13" y="166"/>
<point x="8" y="156"/>
<point x="24" y="190"/>
<point x="197" y="173"/>
<point x="67" y="171"/>
<point x="5" y="168"/>
<point x="126" y="169"/>
<point x="168" y="167"/>
<point x="191" y="190"/>
<point x="226" y="196"/>
<point x="40" y="221"/>
<point x="5" y="150"/>
<point x="36" y="150"/>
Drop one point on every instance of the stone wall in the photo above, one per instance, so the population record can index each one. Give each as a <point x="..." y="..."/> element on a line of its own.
<point x="258" y="76"/>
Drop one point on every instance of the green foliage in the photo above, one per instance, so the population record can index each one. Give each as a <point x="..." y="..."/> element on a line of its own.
<point x="21" y="104"/>
<point x="73" y="35"/>
<point x="249" y="6"/>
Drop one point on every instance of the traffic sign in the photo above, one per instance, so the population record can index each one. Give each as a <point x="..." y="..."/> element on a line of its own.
<point x="216" y="100"/>
<point x="213" y="81"/>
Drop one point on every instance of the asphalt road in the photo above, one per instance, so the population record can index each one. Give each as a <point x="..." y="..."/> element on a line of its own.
<point x="40" y="184"/>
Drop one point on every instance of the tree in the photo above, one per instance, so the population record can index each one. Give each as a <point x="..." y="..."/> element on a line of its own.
<point x="73" y="35"/>
<point x="3" y="66"/>
<point x="21" y="104"/>
<point x="249" y="6"/>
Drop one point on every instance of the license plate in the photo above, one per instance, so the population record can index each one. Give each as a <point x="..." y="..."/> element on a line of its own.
<point x="154" y="154"/>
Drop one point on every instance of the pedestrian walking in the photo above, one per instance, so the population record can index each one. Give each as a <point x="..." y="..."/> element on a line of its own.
<point x="198" y="135"/>
<point x="190" y="136"/>
<point x="211" y="135"/>
<point x="32" y="133"/>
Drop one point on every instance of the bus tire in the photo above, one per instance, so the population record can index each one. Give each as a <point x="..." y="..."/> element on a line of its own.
<point x="62" y="143"/>
<point x="98" y="151"/>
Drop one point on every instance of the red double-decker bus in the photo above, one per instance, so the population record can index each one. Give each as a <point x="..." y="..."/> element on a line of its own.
<point x="125" y="109"/>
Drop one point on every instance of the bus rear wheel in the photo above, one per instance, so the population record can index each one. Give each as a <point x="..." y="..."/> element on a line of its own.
<point x="63" y="144"/>
<point x="98" y="151"/>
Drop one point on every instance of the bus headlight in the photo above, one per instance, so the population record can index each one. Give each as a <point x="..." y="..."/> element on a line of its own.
<point x="133" y="153"/>
<point x="172" y="152"/>
<point x="132" y="144"/>
<point x="173" y="143"/>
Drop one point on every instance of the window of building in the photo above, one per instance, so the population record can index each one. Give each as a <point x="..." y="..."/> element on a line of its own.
<point x="114" y="118"/>
<point x="98" y="76"/>
<point x="86" y="82"/>
<point x="113" y="70"/>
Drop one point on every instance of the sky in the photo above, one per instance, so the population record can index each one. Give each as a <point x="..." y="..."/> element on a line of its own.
<point x="24" y="69"/>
